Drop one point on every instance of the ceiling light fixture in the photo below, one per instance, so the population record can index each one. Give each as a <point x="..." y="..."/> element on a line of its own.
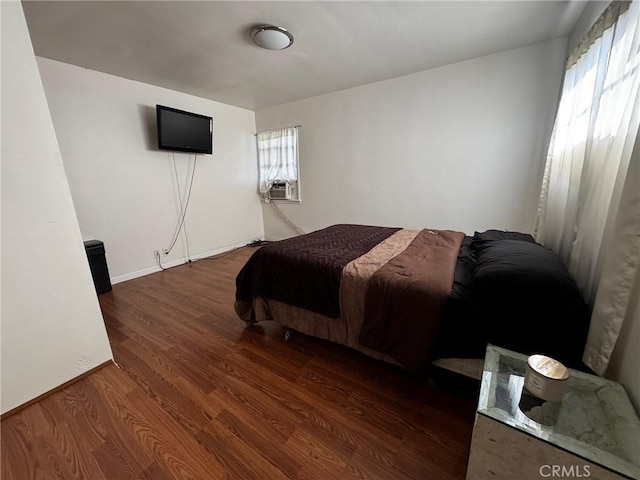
<point x="271" y="37"/>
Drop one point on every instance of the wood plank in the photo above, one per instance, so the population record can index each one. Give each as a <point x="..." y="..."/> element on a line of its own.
<point x="241" y="460"/>
<point x="162" y="391"/>
<point x="176" y="451"/>
<point x="154" y="472"/>
<point x="18" y="449"/>
<point x="327" y="462"/>
<point x="249" y="429"/>
<point x="67" y="445"/>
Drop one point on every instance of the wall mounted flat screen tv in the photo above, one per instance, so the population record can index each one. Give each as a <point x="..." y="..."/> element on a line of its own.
<point x="184" y="131"/>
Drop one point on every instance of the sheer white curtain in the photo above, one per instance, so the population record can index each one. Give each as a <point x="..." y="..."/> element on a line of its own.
<point x="587" y="211"/>
<point x="277" y="157"/>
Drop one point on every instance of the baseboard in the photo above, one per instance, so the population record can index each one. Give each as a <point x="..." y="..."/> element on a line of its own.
<point x="270" y="238"/>
<point x="179" y="261"/>
<point x="55" y="390"/>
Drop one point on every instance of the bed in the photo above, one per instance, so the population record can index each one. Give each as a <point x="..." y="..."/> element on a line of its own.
<point x="418" y="298"/>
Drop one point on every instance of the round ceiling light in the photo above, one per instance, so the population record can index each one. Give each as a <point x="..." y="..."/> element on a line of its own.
<point x="271" y="37"/>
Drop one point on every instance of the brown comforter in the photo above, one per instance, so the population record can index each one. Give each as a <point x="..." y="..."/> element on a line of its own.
<point x="306" y="271"/>
<point x="406" y="297"/>
<point x="388" y="285"/>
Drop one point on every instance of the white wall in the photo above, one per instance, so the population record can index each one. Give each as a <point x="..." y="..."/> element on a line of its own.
<point x="124" y="188"/>
<point x="460" y="146"/>
<point x="52" y="328"/>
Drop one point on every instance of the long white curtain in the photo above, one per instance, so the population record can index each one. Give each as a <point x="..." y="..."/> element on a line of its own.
<point x="587" y="211"/>
<point x="277" y="157"/>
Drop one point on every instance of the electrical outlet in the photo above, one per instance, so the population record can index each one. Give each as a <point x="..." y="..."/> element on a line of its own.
<point x="156" y="254"/>
<point x="165" y="251"/>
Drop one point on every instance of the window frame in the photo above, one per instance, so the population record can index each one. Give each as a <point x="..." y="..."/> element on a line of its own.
<point x="296" y="196"/>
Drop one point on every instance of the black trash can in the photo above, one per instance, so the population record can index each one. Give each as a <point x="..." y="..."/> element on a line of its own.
<point x="98" y="265"/>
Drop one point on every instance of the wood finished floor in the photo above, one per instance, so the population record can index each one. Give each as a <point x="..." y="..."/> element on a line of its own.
<point x="199" y="396"/>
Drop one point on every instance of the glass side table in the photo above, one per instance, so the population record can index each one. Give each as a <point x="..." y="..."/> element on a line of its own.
<point x="594" y="432"/>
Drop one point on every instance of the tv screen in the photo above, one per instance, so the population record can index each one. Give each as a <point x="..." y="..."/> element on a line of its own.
<point x="184" y="131"/>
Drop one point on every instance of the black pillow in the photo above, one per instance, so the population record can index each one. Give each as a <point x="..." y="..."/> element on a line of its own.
<point x="526" y="300"/>
<point x="481" y="238"/>
<point x="511" y="264"/>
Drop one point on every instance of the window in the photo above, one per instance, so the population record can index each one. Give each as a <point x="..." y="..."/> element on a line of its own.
<point x="278" y="167"/>
<point x="588" y="211"/>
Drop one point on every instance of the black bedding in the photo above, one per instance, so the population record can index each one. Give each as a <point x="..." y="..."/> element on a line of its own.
<point x="513" y="292"/>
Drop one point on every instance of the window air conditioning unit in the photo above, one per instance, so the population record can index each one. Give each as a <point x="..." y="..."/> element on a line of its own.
<point x="280" y="191"/>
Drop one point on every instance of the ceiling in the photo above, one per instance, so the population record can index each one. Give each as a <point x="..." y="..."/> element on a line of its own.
<point x="204" y="47"/>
